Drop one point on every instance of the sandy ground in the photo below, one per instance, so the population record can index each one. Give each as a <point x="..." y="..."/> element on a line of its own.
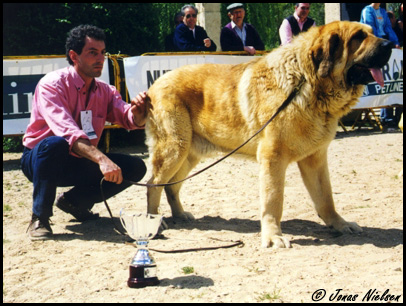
<point x="88" y="262"/>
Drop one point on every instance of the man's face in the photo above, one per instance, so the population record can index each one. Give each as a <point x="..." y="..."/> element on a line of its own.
<point x="190" y="18"/>
<point x="237" y="16"/>
<point x="303" y="10"/>
<point x="90" y="62"/>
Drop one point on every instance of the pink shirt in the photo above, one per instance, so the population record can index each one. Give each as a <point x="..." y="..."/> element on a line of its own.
<point x="285" y="31"/>
<point x="59" y="98"/>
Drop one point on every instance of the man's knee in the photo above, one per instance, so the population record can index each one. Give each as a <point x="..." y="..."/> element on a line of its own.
<point x="54" y="146"/>
<point x="136" y="169"/>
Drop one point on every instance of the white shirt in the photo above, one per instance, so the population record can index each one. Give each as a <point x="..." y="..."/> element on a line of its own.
<point x="241" y="33"/>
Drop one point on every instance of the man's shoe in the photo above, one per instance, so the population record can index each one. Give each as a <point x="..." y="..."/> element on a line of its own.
<point x="39" y="229"/>
<point x="79" y="213"/>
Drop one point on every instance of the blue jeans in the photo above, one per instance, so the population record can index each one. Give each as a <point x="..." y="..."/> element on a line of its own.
<point x="49" y="165"/>
<point x="387" y="116"/>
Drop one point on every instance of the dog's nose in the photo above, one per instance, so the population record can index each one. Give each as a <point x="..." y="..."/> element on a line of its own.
<point x="386" y="44"/>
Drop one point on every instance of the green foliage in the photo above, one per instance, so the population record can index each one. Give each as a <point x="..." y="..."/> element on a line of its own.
<point x="12" y="144"/>
<point x="188" y="270"/>
<point x="131" y="28"/>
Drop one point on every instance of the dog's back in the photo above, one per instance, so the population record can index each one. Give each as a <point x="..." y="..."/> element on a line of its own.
<point x="200" y="101"/>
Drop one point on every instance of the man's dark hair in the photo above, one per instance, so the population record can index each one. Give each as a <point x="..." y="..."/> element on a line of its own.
<point x="297" y="4"/>
<point x="77" y="38"/>
<point x="183" y="9"/>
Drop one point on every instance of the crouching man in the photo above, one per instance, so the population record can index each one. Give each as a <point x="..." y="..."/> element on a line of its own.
<point x="69" y="111"/>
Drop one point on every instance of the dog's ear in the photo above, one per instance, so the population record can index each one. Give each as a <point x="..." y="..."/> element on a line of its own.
<point x="323" y="53"/>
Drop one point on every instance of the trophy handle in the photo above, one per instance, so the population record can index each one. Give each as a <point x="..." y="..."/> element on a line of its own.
<point x="122" y="219"/>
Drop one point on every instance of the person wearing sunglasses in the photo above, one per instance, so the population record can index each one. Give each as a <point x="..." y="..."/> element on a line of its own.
<point x="238" y="35"/>
<point x="296" y="23"/>
<point x="190" y="37"/>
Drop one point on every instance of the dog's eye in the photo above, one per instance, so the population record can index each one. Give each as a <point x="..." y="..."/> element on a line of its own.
<point x="360" y="36"/>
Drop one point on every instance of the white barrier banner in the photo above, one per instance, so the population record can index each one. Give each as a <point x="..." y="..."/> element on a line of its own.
<point x="20" y="78"/>
<point x="142" y="71"/>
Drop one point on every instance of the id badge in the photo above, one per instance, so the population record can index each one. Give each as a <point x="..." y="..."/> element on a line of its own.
<point x="87" y="126"/>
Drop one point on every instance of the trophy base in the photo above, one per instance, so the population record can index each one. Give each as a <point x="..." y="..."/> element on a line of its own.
<point x="142" y="276"/>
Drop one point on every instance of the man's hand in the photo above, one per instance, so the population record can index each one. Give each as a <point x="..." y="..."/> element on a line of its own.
<point x="139" y="108"/>
<point x="250" y="50"/>
<point x="112" y="172"/>
<point x="207" y="42"/>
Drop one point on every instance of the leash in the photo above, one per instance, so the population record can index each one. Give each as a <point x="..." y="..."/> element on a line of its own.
<point x="116" y="228"/>
<point x="233" y="244"/>
<point x="237" y="243"/>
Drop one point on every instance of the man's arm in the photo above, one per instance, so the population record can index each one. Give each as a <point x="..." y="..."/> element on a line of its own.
<point x="285" y="32"/>
<point x="112" y="172"/>
<point x="83" y="147"/>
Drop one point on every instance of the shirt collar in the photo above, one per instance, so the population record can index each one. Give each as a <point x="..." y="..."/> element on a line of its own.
<point x="78" y="81"/>
<point x="233" y="25"/>
<point x="298" y="19"/>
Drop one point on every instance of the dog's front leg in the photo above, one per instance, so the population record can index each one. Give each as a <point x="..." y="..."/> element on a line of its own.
<point x="314" y="171"/>
<point x="272" y="182"/>
<point x="153" y="198"/>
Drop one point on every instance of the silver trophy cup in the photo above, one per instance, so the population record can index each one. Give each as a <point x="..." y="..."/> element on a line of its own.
<point x="141" y="227"/>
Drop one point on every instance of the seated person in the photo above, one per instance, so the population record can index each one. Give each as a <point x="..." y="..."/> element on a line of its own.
<point x="190" y="37"/>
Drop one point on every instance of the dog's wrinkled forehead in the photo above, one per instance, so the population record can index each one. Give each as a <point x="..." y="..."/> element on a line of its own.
<point x="366" y="27"/>
<point x="359" y="28"/>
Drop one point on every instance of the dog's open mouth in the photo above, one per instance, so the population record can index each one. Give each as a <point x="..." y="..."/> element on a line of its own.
<point x="359" y="74"/>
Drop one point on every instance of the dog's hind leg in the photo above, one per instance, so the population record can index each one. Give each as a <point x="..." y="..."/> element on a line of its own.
<point x="172" y="192"/>
<point x="314" y="171"/>
<point x="169" y="141"/>
<point x="165" y="166"/>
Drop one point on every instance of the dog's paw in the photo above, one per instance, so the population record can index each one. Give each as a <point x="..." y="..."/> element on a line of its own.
<point x="185" y="216"/>
<point x="276" y="242"/>
<point x="348" y="228"/>
<point x="345" y="227"/>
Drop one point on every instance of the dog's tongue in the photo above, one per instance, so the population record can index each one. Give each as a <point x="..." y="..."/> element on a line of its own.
<point x="377" y="75"/>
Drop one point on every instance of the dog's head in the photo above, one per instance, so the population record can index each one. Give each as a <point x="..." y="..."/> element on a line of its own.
<point x="350" y="50"/>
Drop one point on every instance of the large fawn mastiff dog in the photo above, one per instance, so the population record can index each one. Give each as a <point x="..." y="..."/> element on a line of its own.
<point x="198" y="109"/>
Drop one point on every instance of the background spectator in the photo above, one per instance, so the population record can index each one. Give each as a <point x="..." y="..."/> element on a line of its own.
<point x="189" y="36"/>
<point x="296" y="23"/>
<point x="238" y="35"/>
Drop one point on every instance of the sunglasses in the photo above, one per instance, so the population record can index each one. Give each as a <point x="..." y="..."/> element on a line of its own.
<point x="191" y="15"/>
